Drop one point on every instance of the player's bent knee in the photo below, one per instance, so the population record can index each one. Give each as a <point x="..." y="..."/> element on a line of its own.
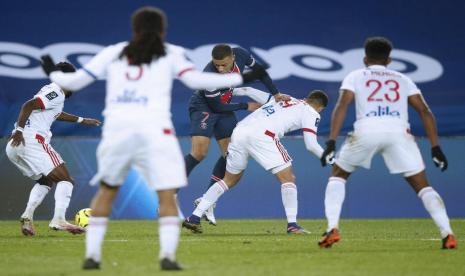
<point x="418" y="181"/>
<point x="199" y="154"/>
<point x="107" y="186"/>
<point x="338" y="172"/>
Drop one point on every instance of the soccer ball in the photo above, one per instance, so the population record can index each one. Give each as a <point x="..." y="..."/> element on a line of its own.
<point x="82" y="217"/>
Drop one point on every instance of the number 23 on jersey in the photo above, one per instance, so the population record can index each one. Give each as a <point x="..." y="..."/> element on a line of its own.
<point x="391" y="90"/>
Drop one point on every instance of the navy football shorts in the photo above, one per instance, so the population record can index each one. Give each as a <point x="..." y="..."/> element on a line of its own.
<point x="207" y="123"/>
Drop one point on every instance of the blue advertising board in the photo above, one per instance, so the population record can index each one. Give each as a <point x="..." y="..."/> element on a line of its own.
<point x="306" y="44"/>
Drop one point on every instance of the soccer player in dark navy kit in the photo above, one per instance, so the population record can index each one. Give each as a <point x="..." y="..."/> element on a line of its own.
<point x="212" y="113"/>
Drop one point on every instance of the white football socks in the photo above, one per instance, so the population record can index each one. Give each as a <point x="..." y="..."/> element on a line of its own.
<point x="436" y="208"/>
<point x="289" y="197"/>
<point x="210" y="197"/>
<point x="94" y="237"/>
<point x="63" y="193"/>
<point x="334" y="198"/>
<point x="36" y="197"/>
<point x="168" y="231"/>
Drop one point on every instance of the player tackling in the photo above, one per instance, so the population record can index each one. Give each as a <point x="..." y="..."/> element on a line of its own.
<point x="258" y="136"/>
<point x="381" y="99"/>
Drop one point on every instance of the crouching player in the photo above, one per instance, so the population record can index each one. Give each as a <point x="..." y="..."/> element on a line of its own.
<point x="258" y="136"/>
<point x="30" y="150"/>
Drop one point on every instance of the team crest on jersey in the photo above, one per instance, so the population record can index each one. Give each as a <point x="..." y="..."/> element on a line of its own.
<point x="52" y="95"/>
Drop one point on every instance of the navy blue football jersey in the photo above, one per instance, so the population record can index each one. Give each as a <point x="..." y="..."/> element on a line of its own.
<point x="220" y="100"/>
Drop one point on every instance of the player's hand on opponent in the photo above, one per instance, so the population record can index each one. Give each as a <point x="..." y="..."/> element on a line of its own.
<point x="48" y="65"/>
<point x="328" y="154"/>
<point x="252" y="106"/>
<point x="17" y="138"/>
<point x="439" y="158"/>
<point x="91" y="122"/>
<point x="281" y="97"/>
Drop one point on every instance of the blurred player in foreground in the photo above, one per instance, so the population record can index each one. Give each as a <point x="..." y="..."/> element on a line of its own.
<point x="138" y="131"/>
<point x="212" y="113"/>
<point x="258" y="136"/>
<point x="30" y="150"/>
<point x="381" y="99"/>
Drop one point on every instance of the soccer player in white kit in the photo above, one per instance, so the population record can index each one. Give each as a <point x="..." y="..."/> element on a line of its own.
<point x="138" y="131"/>
<point x="258" y="136"/>
<point x="30" y="151"/>
<point x="381" y="101"/>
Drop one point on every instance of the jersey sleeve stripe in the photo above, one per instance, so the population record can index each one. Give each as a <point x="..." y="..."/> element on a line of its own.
<point x="185" y="70"/>
<point x="89" y="73"/>
<point x="40" y="102"/>
<point x="309" y="130"/>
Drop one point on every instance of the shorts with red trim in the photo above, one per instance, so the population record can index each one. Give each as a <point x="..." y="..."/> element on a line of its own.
<point x="154" y="152"/>
<point x="398" y="149"/>
<point x="35" y="159"/>
<point x="263" y="146"/>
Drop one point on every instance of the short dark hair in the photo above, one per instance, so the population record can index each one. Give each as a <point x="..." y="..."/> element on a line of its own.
<point x="318" y="96"/>
<point x="148" y="25"/>
<point x="378" y="48"/>
<point x="65" y="67"/>
<point x="221" y="51"/>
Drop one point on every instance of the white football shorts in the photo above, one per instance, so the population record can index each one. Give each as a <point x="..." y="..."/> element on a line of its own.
<point x="35" y="159"/>
<point x="399" y="150"/>
<point x="262" y="146"/>
<point x="154" y="153"/>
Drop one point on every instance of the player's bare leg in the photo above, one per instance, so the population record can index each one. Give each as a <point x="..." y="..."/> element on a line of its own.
<point x="101" y="208"/>
<point x="36" y="196"/>
<point x="63" y="192"/>
<point x="289" y="197"/>
<point x="169" y="229"/>
<point x="334" y="198"/>
<point x="209" y="198"/>
<point x="435" y="206"/>
<point x="199" y="150"/>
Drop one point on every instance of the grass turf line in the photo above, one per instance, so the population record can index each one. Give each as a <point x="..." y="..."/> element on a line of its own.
<point x="242" y="247"/>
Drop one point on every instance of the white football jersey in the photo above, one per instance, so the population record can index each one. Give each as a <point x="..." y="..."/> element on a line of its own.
<point x="284" y="116"/>
<point x="381" y="97"/>
<point x="138" y="93"/>
<point x="51" y="98"/>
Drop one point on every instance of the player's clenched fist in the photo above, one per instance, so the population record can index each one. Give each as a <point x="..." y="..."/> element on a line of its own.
<point x="328" y="155"/>
<point x="439" y="158"/>
<point x="47" y="64"/>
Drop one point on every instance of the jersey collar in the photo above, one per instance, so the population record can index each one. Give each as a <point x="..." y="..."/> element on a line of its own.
<point x="377" y="66"/>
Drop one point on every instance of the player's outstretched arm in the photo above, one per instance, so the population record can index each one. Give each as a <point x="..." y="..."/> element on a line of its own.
<point x="211" y="81"/>
<point x="429" y="122"/>
<point x="337" y="119"/>
<point x="265" y="78"/>
<point x="255" y="94"/>
<point x="66" y="117"/>
<point x="24" y="114"/>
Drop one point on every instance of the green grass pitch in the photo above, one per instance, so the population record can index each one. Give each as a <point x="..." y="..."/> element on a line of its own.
<point x="242" y="247"/>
